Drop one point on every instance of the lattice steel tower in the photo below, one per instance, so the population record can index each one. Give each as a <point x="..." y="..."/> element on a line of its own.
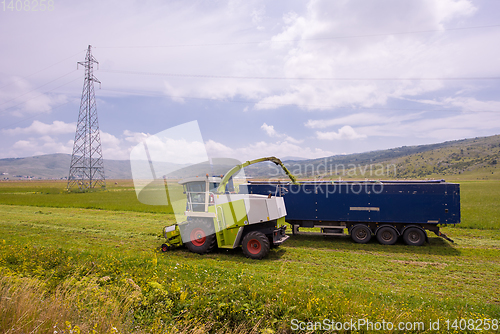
<point x="86" y="170"/>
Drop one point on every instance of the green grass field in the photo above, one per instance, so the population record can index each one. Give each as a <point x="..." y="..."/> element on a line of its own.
<point x="480" y="204"/>
<point x="89" y="263"/>
<point x="119" y="196"/>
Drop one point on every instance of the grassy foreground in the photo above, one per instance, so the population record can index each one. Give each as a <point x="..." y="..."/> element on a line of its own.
<point x="68" y="268"/>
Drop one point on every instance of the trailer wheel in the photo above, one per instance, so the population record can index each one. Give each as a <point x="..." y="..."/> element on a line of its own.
<point x="201" y="236"/>
<point x="414" y="236"/>
<point x="361" y="234"/>
<point x="386" y="235"/>
<point x="255" y="245"/>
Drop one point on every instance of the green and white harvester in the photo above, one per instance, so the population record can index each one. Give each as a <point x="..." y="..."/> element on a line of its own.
<point x="217" y="216"/>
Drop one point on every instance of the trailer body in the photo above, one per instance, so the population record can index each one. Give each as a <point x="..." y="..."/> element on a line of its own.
<point x="397" y="205"/>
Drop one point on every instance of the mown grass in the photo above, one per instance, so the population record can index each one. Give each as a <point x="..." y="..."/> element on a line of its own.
<point x="74" y="263"/>
<point x="101" y="270"/>
<point x="119" y="196"/>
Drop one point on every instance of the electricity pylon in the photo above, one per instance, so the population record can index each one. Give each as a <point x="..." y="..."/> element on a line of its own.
<point x="87" y="170"/>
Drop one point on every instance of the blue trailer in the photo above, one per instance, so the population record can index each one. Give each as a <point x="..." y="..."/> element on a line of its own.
<point x="384" y="209"/>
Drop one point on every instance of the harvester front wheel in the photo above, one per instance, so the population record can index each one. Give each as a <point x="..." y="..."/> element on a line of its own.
<point x="202" y="237"/>
<point x="256" y="245"/>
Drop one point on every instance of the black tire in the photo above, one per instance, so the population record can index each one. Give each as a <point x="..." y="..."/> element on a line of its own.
<point x="414" y="236"/>
<point x="164" y="248"/>
<point x="387" y="235"/>
<point x="202" y="236"/>
<point x="255" y="245"/>
<point x="361" y="234"/>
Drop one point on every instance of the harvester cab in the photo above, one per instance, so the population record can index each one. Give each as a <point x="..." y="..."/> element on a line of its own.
<point x="218" y="216"/>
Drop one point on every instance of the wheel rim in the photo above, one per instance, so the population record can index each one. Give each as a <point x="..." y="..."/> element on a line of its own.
<point x="387" y="236"/>
<point x="361" y="234"/>
<point x="198" y="237"/>
<point x="254" y="246"/>
<point x="414" y="237"/>
<point x="164" y="248"/>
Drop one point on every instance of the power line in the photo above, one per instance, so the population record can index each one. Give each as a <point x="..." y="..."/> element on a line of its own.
<point x="34" y="97"/>
<point x="206" y="76"/>
<point x="255" y="102"/>
<point x="45" y="84"/>
<point x="35" y="115"/>
<point x="302" y="105"/>
<point x="46" y="68"/>
<point x="298" y="40"/>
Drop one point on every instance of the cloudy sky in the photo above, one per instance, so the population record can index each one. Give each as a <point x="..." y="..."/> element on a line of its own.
<point x="286" y="78"/>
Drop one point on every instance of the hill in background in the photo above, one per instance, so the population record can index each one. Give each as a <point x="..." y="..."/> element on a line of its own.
<point x="55" y="166"/>
<point x="476" y="158"/>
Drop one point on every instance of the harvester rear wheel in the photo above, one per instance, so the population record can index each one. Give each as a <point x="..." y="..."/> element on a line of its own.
<point x="256" y="245"/>
<point x="201" y="236"/>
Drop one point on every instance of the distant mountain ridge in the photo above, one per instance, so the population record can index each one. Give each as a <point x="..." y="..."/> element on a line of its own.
<point x="290" y="158"/>
<point x="456" y="157"/>
<point x="475" y="155"/>
<point x="56" y="166"/>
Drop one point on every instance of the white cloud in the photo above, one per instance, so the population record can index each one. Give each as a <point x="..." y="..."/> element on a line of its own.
<point x="271" y="132"/>
<point x="311" y="51"/>
<point x="446" y="10"/>
<point x="174" y="93"/>
<point x="40" y="128"/>
<point x="438" y="127"/>
<point x="364" y="118"/>
<point x="160" y="148"/>
<point x="257" y="16"/>
<point x="112" y="147"/>
<point x="472" y="104"/>
<point x="218" y="150"/>
<point x="135" y="137"/>
<point x="463" y="103"/>
<point x="41" y="138"/>
<point x="390" y="56"/>
<point x="263" y="149"/>
<point x="281" y="149"/>
<point x="19" y="98"/>
<point x="35" y="146"/>
<point x="345" y="132"/>
<point x="269" y="129"/>
<point x="411" y="55"/>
